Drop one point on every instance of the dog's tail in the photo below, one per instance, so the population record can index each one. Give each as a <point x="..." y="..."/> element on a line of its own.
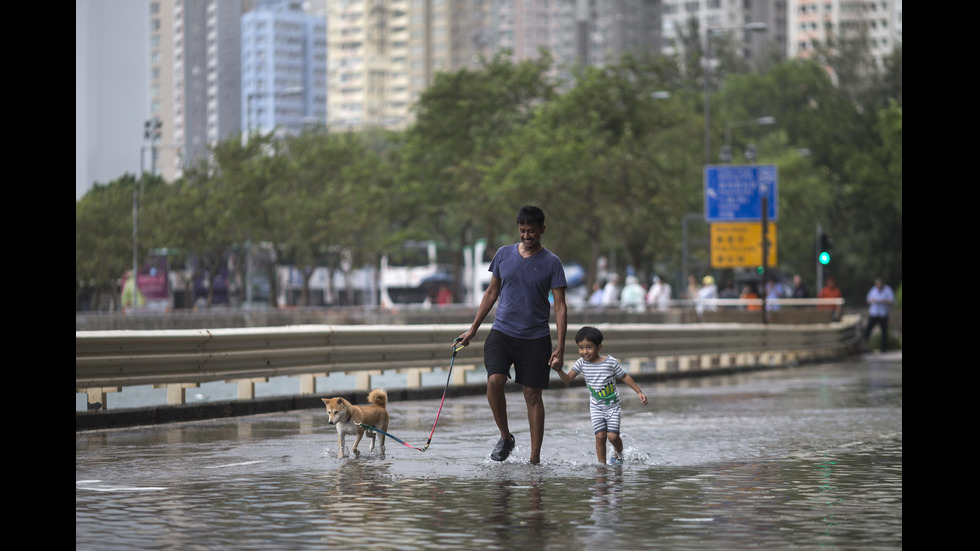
<point x="378" y="397"/>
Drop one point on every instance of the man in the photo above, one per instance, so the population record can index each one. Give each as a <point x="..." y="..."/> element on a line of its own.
<point x="880" y="299"/>
<point x="523" y="275"/>
<point x="799" y="287"/>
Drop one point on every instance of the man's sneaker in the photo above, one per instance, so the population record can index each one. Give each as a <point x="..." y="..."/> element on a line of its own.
<point x="503" y="448"/>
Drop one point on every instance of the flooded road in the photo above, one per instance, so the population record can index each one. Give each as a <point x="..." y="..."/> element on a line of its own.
<point x="807" y="457"/>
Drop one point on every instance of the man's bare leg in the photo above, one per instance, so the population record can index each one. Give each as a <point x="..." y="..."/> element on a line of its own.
<point x="535" y="420"/>
<point x="498" y="402"/>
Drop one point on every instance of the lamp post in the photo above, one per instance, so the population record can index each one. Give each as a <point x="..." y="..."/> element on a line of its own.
<point x="290" y="91"/>
<point x="152" y="132"/>
<point x="726" y="150"/>
<point x="709" y="32"/>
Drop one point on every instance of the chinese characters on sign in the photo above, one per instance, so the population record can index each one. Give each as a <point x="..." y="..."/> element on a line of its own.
<point x="739" y="244"/>
<point x="735" y="193"/>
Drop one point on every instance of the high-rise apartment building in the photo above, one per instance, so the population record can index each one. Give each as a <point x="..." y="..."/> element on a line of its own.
<point x="167" y="155"/>
<point x="220" y="67"/>
<point x="367" y="64"/>
<point x="383" y="54"/>
<point x="206" y="74"/>
<point x="283" y="68"/>
<point x="445" y="36"/>
<point x="195" y="78"/>
<point x="813" y="22"/>
<point x="627" y="26"/>
<point x="726" y="16"/>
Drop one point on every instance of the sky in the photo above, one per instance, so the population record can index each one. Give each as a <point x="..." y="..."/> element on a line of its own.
<point x="111" y="89"/>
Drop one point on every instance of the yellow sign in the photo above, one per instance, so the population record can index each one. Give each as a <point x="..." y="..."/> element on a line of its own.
<point x="739" y="244"/>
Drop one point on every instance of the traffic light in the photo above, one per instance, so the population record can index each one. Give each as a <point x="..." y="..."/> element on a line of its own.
<point x="824" y="255"/>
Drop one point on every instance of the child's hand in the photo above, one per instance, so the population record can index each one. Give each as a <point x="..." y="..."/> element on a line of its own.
<point x="643" y="398"/>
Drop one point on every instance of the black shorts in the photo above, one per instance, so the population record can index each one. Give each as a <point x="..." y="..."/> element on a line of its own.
<point x="528" y="356"/>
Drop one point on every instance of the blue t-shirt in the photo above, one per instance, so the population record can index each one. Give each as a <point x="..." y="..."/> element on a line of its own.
<point x="523" y="309"/>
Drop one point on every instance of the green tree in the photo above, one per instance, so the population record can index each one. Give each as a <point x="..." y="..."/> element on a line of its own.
<point x="103" y="239"/>
<point x="872" y="207"/>
<point x="605" y="157"/>
<point x="322" y="204"/>
<point x="462" y="123"/>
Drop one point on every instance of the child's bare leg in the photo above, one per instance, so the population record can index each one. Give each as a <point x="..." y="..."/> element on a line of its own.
<point x="600" y="446"/>
<point x="617" y="444"/>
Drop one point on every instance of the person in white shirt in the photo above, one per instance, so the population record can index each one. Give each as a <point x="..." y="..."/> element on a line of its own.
<point x="610" y="293"/>
<point x="709" y="290"/>
<point x="659" y="295"/>
<point x="880" y="299"/>
<point x="631" y="299"/>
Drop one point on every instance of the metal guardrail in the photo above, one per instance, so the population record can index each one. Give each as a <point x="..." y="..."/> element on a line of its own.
<point x="106" y="361"/>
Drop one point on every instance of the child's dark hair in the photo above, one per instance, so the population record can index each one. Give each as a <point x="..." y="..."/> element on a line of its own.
<point x="590" y="334"/>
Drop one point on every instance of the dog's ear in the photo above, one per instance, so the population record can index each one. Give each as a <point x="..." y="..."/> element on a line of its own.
<point x="342" y="401"/>
<point x="325" y="400"/>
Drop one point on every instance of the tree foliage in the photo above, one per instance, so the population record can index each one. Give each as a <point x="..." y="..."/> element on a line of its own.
<point x="614" y="156"/>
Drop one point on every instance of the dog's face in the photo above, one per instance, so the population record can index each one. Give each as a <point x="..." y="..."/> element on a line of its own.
<point x="336" y="410"/>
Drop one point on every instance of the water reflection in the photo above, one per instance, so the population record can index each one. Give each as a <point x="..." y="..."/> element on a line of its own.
<point x="800" y="458"/>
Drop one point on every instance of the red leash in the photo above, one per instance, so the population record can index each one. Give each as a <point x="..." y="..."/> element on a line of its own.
<point x="444" y="392"/>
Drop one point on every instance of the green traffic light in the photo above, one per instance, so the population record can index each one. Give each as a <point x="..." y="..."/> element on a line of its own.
<point x="824" y="258"/>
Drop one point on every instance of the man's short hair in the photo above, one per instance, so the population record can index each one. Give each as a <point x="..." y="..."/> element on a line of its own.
<point x="530" y="215"/>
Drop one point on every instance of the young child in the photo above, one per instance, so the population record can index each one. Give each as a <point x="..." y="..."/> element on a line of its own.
<point x="600" y="374"/>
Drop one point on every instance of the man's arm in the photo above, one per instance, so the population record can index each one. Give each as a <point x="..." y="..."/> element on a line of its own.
<point x="561" y="320"/>
<point x="489" y="298"/>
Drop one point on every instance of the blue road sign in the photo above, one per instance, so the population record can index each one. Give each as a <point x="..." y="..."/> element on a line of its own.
<point x="733" y="193"/>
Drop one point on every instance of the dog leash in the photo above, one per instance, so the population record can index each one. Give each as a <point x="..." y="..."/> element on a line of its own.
<point x="444" y="392"/>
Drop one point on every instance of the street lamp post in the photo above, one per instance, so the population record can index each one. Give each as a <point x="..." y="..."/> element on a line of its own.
<point x="726" y="150"/>
<point x="292" y="90"/>
<point x="709" y="32"/>
<point x="152" y="132"/>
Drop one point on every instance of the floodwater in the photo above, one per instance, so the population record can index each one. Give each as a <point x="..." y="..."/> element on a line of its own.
<point x="807" y="457"/>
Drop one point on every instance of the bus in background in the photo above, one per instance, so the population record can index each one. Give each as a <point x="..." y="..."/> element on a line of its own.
<point x="411" y="275"/>
<point x="477" y="270"/>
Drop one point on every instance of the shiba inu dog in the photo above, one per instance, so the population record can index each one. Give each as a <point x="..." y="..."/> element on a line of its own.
<point x="350" y="419"/>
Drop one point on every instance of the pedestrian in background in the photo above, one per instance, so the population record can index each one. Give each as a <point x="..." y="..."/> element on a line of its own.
<point x="659" y="295"/>
<point x="748" y="292"/>
<point x="774" y="292"/>
<point x="444" y="296"/>
<point x="707" y="293"/>
<point x="692" y="287"/>
<point x="610" y="293"/>
<point x="880" y="299"/>
<point x="799" y="287"/>
<point x="631" y="299"/>
<point x="728" y="292"/>
<point x="595" y="299"/>
<point x="830" y="290"/>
